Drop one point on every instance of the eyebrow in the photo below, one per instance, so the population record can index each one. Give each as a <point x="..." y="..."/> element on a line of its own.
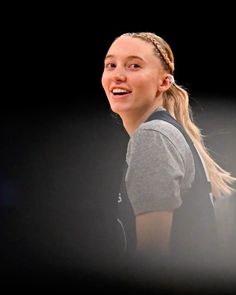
<point x="129" y="57"/>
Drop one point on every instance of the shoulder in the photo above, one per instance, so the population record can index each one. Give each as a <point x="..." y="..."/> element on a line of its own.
<point x="160" y="130"/>
<point x="160" y="126"/>
<point x="161" y="136"/>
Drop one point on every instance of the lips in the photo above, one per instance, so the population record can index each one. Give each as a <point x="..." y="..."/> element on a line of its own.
<point x="119" y="91"/>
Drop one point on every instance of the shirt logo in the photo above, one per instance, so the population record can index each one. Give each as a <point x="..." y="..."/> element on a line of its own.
<point x="119" y="198"/>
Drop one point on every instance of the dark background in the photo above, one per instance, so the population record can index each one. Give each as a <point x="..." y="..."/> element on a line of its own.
<point x="61" y="151"/>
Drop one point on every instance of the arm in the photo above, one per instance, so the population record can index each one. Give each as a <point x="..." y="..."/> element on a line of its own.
<point x="153" y="234"/>
<point x="153" y="181"/>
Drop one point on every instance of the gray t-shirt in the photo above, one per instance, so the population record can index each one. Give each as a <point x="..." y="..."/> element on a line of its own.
<point x="160" y="167"/>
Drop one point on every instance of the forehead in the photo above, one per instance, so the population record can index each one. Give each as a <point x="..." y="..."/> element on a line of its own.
<point x="128" y="46"/>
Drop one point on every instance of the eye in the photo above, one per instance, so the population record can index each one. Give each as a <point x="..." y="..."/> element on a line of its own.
<point x="134" y="66"/>
<point x="110" y="65"/>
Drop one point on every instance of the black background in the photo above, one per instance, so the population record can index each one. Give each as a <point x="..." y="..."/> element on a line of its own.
<point x="62" y="151"/>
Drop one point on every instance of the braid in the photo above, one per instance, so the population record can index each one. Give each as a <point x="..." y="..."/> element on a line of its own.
<point x="161" y="52"/>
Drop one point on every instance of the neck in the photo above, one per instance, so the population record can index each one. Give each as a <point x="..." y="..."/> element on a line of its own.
<point x="132" y="120"/>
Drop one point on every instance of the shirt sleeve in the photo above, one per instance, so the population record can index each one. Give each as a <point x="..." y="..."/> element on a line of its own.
<point x="154" y="174"/>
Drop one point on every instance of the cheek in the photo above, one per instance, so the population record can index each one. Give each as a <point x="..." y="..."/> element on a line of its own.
<point x="147" y="91"/>
<point x="151" y="84"/>
<point x="104" y="80"/>
<point x="146" y="85"/>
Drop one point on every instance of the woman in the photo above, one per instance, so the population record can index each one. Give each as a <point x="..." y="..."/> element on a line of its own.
<point x="166" y="201"/>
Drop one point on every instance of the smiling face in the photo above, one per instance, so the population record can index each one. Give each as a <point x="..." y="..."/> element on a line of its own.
<point x="133" y="76"/>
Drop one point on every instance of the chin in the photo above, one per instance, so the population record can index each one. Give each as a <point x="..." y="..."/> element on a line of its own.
<point x="119" y="108"/>
<point x="118" y="111"/>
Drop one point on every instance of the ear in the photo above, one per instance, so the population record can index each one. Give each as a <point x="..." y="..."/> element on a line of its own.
<point x="166" y="81"/>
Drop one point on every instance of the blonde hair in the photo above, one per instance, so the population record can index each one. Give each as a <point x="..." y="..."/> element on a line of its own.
<point x="176" y="101"/>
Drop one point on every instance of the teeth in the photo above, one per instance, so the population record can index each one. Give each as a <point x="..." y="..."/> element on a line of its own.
<point x="119" y="90"/>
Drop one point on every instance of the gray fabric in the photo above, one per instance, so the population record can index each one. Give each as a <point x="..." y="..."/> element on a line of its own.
<point x="160" y="167"/>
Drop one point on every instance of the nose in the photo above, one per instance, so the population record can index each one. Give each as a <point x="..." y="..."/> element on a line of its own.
<point x="119" y="74"/>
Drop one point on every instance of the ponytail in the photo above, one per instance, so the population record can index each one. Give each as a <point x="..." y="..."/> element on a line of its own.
<point x="176" y="101"/>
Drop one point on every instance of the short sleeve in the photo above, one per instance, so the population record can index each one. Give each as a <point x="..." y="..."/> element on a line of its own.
<point x="155" y="171"/>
